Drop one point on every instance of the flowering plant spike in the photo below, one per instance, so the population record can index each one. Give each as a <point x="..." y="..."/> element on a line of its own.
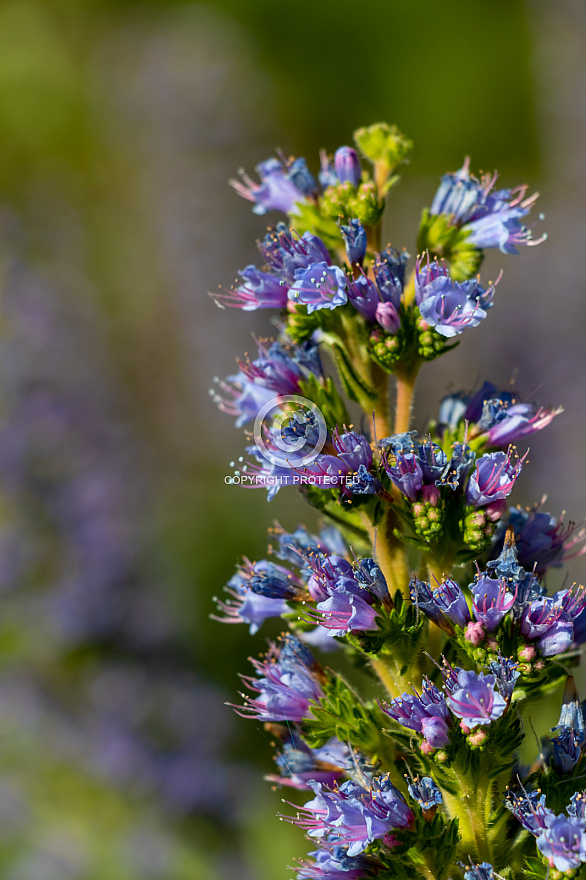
<point x="423" y="571"/>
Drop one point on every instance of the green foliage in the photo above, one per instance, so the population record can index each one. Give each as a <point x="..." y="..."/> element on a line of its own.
<point x="399" y="632"/>
<point x="443" y="240"/>
<point x="342" y="713"/>
<point x="327" y="398"/>
<point x="308" y="217"/>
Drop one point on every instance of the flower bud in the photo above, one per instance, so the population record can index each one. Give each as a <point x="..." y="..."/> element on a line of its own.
<point x="347" y="165"/>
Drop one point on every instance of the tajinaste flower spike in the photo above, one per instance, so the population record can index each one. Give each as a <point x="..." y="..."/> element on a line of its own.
<point x="423" y="530"/>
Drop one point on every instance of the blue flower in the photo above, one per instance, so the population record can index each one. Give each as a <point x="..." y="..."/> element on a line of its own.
<point x="475" y="701"/>
<point x="298" y="763"/>
<point x="493" y="479"/>
<point x="529" y="808"/>
<point x="347" y="165"/>
<point x="285" y="252"/>
<point x="426" y="793"/>
<point x="364" y="296"/>
<point x="354" y="816"/>
<point x="491" y="601"/>
<point x="427" y="714"/>
<point x="446" y="305"/>
<point x="354" y="236"/>
<point x="286" y="685"/>
<point x="445" y="603"/>
<point x="492" y="218"/>
<point x="577" y="807"/>
<point x="549" y="624"/>
<point x="321" y="286"/>
<point x="344" y="604"/>
<point x="277" y="371"/>
<point x="389" y="273"/>
<point x="483" y="871"/>
<point x="280" y="187"/>
<point x="247" y="605"/>
<point x="258" y="290"/>
<point x="563" y="842"/>
<point x="498" y="415"/>
<point x="506" y="673"/>
<point x="542" y="541"/>
<point x="334" y="863"/>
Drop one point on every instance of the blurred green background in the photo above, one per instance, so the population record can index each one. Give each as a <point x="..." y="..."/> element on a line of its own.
<point x="120" y="124"/>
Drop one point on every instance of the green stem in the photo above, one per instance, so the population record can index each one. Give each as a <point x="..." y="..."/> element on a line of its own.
<point x="409" y="290"/>
<point x="473" y="809"/>
<point x="388" y="677"/>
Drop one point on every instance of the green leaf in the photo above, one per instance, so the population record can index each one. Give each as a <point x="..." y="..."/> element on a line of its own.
<point x="309" y="218"/>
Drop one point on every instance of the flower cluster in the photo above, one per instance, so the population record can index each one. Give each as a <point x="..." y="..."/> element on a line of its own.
<point x="422" y="571"/>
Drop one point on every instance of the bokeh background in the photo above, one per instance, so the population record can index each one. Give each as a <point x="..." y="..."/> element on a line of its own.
<point x="120" y="124"/>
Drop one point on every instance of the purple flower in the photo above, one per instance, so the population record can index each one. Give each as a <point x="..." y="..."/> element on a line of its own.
<point x="387" y="316"/>
<point x="389" y="274"/>
<point x="499" y="415"/>
<point x="364" y="296"/>
<point x="529" y="809"/>
<point x="566" y="750"/>
<point x="577" y="807"/>
<point x="405" y="472"/>
<point x="563" y="842"/>
<point x="446" y="305"/>
<point x="354" y="816"/>
<point x="427" y="714"/>
<point x="258" y="290"/>
<point x="287" y="683"/>
<point x="549" y="624"/>
<point x="249" y="606"/>
<point x="334" y="864"/>
<point x="491" y="601"/>
<point x="277" y="371"/>
<point x="347" y="165"/>
<point x="320" y="286"/>
<point x="285" y="252"/>
<point x="493" y="479"/>
<point x="354" y="236"/>
<point x="279" y="188"/>
<point x="492" y="218"/>
<point x="348" y="452"/>
<point x="344" y="604"/>
<point x="298" y="764"/>
<point x="542" y="541"/>
<point x="443" y="603"/>
<point x="475" y="701"/>
<point x="344" y="612"/>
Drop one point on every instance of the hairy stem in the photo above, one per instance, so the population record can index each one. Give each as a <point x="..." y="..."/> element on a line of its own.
<point x="404" y="404"/>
